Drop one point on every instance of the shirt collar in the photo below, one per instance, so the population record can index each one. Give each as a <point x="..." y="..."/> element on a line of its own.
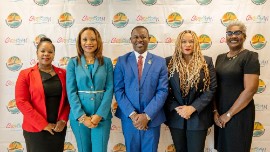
<point x="144" y="54"/>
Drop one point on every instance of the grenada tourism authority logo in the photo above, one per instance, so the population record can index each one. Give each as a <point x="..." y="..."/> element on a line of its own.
<point x="258" y="129"/>
<point x="149" y="2"/>
<point x="66" y="20"/>
<point x="170" y="148"/>
<point x="258" y="41"/>
<point x="68" y="147"/>
<point x="63" y="62"/>
<point x="14" y="63"/>
<point x="37" y="39"/>
<point x="261" y="86"/>
<point x="95" y="2"/>
<point x="152" y="43"/>
<point x="204" y="2"/>
<point x="258" y="2"/>
<point x="15" y="146"/>
<point x="14" y="20"/>
<point x="119" y="148"/>
<point x="205" y="42"/>
<point x="12" y="107"/>
<point x="227" y="18"/>
<point x="174" y="20"/>
<point x="41" y="2"/>
<point x="120" y="20"/>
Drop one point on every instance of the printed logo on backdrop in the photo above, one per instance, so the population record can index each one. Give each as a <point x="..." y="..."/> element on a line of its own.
<point x="16" y="41"/>
<point x="227" y="18"/>
<point x="258" y="41"/>
<point x="208" y="149"/>
<point x="261" y="107"/>
<point x="120" y="40"/>
<point x="94" y="19"/>
<point x="149" y="2"/>
<point x="116" y="128"/>
<point x="41" y="2"/>
<point x="258" y="2"/>
<point x="40" y="19"/>
<point x="12" y="107"/>
<point x="152" y="43"/>
<point x="14" y="63"/>
<point x="120" y="20"/>
<point x="258" y="149"/>
<point x="261" y="86"/>
<point x="258" y="129"/>
<point x="37" y="39"/>
<point x="205" y="42"/>
<point x="204" y="2"/>
<point x="147" y="19"/>
<point x="66" y="20"/>
<point x="15" y="146"/>
<point x="223" y="40"/>
<point x="69" y="41"/>
<point x="68" y="147"/>
<point x="263" y="63"/>
<point x="209" y="130"/>
<point x="63" y="62"/>
<point x="14" y="126"/>
<point x="10" y="83"/>
<point x="170" y="40"/>
<point x="119" y="148"/>
<point x="33" y="61"/>
<point x="114" y="63"/>
<point x="257" y="19"/>
<point x="201" y="19"/>
<point x="170" y="148"/>
<point x="95" y="2"/>
<point x="174" y="20"/>
<point x="14" y="20"/>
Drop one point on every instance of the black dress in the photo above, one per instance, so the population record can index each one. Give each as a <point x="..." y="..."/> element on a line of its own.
<point x="237" y="135"/>
<point x="43" y="141"/>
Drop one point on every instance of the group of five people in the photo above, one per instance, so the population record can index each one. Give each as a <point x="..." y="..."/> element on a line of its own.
<point x="184" y="91"/>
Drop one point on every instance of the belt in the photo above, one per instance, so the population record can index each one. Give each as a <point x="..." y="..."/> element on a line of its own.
<point x="92" y="92"/>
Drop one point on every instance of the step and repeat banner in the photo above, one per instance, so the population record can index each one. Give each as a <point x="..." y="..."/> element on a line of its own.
<point x="24" y="22"/>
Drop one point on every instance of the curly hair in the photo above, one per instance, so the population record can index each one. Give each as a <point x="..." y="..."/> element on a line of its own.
<point x="189" y="74"/>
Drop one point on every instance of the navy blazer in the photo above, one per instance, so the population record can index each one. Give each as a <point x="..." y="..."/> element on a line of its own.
<point x="201" y="100"/>
<point x="147" y="97"/>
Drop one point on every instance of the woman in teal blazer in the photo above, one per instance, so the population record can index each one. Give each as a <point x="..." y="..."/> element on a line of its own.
<point x="90" y="92"/>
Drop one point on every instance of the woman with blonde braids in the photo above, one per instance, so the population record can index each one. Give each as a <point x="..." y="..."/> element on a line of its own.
<point x="192" y="84"/>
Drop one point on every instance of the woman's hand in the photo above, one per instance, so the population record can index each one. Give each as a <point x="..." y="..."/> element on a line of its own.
<point x="50" y="127"/>
<point x="185" y="111"/>
<point x="223" y="119"/>
<point x="95" y="120"/>
<point x="60" y="125"/>
<point x="216" y="119"/>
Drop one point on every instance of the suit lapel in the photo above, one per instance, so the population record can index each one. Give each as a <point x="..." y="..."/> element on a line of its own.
<point x="133" y="63"/>
<point x="95" y="67"/>
<point x="85" y="67"/>
<point x="175" y="80"/>
<point x="147" y="64"/>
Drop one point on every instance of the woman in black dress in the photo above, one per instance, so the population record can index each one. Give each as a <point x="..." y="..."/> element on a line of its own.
<point x="40" y="94"/>
<point x="238" y="77"/>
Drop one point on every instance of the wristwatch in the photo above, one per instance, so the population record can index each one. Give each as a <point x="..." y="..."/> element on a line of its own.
<point x="229" y="114"/>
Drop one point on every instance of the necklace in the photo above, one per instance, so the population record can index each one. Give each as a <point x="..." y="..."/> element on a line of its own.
<point x="90" y="61"/>
<point x="46" y="71"/>
<point x="235" y="55"/>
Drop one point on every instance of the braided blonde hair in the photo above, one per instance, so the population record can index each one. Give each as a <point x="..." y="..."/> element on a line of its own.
<point x="189" y="74"/>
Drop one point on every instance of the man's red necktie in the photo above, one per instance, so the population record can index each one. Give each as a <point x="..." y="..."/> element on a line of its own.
<point x="140" y="65"/>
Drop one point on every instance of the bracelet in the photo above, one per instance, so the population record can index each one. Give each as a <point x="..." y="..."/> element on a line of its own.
<point x="215" y="111"/>
<point x="82" y="118"/>
<point x="63" y="121"/>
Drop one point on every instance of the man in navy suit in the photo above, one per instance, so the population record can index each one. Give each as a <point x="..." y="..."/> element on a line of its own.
<point x="141" y="88"/>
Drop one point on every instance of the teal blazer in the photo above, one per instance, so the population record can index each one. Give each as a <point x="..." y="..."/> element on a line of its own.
<point x="79" y="79"/>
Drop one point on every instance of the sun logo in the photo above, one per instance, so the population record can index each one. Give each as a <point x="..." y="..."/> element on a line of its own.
<point x="14" y="20"/>
<point x="152" y="43"/>
<point x="258" y="41"/>
<point x="204" y="2"/>
<point x="41" y="2"/>
<point x="174" y="20"/>
<point x="68" y="147"/>
<point x="258" y="2"/>
<point x="119" y="148"/>
<point x="37" y="39"/>
<point x="12" y="107"/>
<point x="14" y="63"/>
<point x="63" y="62"/>
<point x="261" y="86"/>
<point x="15" y="146"/>
<point x="120" y="20"/>
<point x="228" y="17"/>
<point x="170" y="148"/>
<point x="258" y="129"/>
<point x="149" y="2"/>
<point x="205" y="42"/>
<point x="66" y="20"/>
<point x="95" y="2"/>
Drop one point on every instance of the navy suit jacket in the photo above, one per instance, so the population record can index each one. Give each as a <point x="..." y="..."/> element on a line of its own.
<point x="147" y="97"/>
<point x="201" y="100"/>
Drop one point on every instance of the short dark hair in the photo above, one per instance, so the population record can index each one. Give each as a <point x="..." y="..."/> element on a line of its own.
<point x="139" y="26"/>
<point x="45" y="39"/>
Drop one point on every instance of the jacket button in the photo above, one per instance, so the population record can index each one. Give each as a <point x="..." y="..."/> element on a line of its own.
<point x="92" y="98"/>
<point x="92" y="87"/>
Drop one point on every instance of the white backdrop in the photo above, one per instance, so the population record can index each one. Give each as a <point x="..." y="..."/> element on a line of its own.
<point x="23" y="22"/>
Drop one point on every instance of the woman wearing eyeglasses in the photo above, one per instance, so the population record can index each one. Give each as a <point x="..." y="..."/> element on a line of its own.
<point x="237" y="76"/>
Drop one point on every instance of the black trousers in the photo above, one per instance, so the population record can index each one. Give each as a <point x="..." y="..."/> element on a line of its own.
<point x="188" y="140"/>
<point x="44" y="142"/>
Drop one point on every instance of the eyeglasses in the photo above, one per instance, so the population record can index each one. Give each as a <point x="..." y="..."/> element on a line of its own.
<point x="230" y="33"/>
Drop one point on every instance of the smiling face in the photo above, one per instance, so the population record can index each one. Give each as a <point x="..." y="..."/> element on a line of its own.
<point x="140" y="39"/>
<point x="45" y="53"/>
<point x="88" y="42"/>
<point x="187" y="44"/>
<point x="235" y="38"/>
